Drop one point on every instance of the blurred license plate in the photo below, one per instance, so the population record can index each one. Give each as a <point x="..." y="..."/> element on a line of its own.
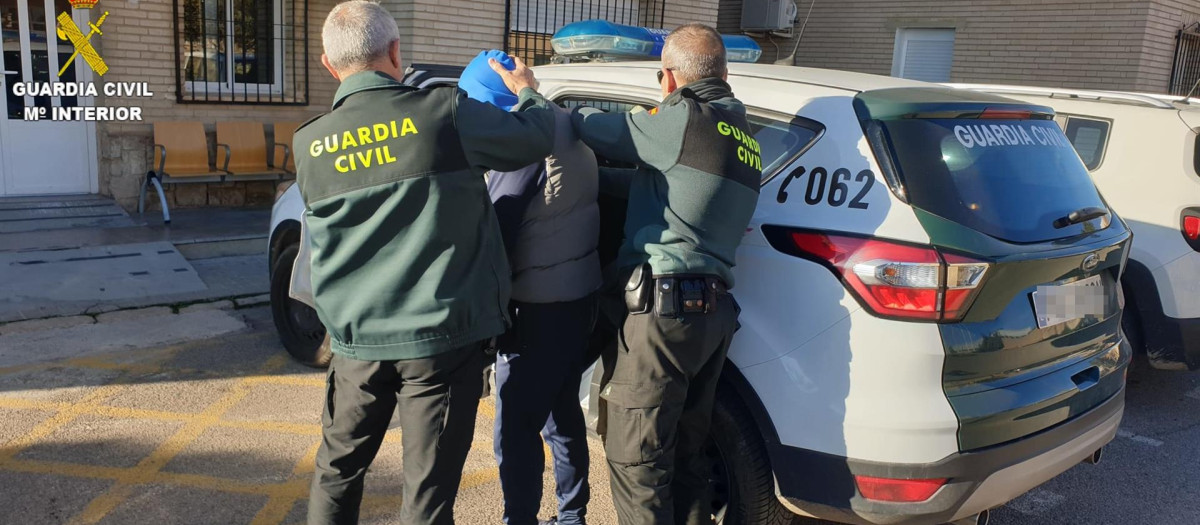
<point x="1058" y="303"/>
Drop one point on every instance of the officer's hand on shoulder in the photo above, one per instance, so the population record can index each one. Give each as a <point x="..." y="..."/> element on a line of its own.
<point x="516" y="79"/>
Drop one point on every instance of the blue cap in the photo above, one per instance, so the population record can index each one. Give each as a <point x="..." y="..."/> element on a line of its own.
<point x="485" y="85"/>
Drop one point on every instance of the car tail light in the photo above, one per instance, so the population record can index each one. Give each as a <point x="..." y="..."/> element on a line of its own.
<point x="893" y="279"/>
<point x="1191" y="227"/>
<point x="898" y="490"/>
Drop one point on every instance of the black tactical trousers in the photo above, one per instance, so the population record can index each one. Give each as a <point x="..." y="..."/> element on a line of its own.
<point x="659" y="409"/>
<point x="438" y="398"/>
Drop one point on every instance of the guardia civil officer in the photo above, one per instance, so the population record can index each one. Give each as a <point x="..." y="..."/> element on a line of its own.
<point x="550" y="223"/>
<point x="408" y="267"/>
<point x="690" y="200"/>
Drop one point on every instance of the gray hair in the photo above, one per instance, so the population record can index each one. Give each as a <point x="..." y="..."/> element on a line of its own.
<point x="357" y="33"/>
<point x="693" y="52"/>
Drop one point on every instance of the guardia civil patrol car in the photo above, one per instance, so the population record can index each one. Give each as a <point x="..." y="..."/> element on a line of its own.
<point x="930" y="293"/>
<point x="1155" y="137"/>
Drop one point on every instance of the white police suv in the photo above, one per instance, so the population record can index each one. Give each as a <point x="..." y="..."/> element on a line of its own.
<point x="1142" y="151"/>
<point x="930" y="292"/>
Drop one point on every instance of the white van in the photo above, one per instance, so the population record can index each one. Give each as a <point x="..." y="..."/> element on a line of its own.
<point x="1142" y="151"/>
<point x="907" y="355"/>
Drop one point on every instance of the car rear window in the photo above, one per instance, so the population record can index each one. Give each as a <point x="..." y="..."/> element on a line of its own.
<point x="1011" y="179"/>
<point x="780" y="141"/>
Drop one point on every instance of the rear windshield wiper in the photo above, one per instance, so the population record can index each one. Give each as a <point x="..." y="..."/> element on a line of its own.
<point x="1080" y="215"/>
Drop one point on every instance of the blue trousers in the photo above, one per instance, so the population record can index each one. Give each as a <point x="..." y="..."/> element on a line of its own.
<point x="538" y="371"/>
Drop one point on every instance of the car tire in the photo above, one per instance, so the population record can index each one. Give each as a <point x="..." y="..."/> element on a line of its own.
<point x="299" y="329"/>
<point x="742" y="481"/>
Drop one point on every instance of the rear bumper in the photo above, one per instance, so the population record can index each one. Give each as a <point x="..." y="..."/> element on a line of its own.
<point x="822" y="485"/>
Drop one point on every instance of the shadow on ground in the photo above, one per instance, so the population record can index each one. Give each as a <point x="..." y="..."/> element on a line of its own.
<point x="251" y="349"/>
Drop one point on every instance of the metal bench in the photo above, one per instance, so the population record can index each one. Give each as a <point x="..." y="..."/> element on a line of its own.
<point x="181" y="156"/>
<point x="242" y="152"/>
<point x="282" y="150"/>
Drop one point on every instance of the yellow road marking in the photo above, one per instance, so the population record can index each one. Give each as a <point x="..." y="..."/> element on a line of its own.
<point x="147" y="469"/>
<point x="274" y="426"/>
<point x="479" y="477"/>
<point x="488" y="408"/>
<point x="288" y="380"/>
<point x="64" y="416"/>
<point x="57" y="421"/>
<point x="275" y="511"/>
<point x="308" y="463"/>
<point x="293" y="488"/>
<point x="277" y="508"/>
<point x="300" y="429"/>
<point x="104" y="503"/>
<point x="373" y="504"/>
<point x="281" y="497"/>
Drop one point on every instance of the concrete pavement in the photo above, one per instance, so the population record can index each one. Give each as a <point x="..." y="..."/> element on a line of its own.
<point x="223" y="428"/>
<point x="1150" y="473"/>
<point x="63" y="257"/>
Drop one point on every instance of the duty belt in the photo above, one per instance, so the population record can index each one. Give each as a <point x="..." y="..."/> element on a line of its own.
<point x="673" y="295"/>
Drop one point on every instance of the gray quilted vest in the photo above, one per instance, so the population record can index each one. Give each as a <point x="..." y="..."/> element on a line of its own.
<point x="554" y="258"/>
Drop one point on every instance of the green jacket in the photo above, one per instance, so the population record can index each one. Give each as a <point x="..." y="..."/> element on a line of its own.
<point x="407" y="260"/>
<point x="696" y="183"/>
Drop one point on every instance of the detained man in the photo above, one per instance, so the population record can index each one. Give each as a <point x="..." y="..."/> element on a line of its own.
<point x="550" y="224"/>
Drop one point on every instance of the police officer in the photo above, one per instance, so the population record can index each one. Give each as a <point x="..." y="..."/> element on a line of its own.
<point x="690" y="200"/>
<point x="408" y="268"/>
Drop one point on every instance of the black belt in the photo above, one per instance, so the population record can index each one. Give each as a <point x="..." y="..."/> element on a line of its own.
<point x="673" y="295"/>
<point x="694" y="294"/>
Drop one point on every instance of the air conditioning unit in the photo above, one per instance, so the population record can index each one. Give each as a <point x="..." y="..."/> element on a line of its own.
<point x="768" y="15"/>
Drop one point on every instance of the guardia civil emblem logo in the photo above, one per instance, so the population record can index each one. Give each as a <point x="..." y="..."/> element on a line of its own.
<point x="67" y="30"/>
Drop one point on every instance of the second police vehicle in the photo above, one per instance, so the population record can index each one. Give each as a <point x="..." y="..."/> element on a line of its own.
<point x="930" y="292"/>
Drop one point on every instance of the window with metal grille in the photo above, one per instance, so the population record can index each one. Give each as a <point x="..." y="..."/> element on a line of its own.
<point x="241" y="51"/>
<point x="1185" y="74"/>
<point x="530" y="23"/>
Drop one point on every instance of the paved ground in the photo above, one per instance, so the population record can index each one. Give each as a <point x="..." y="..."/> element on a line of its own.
<point x="219" y="431"/>
<point x="224" y="430"/>
<point x="84" y="256"/>
<point x="1150" y="473"/>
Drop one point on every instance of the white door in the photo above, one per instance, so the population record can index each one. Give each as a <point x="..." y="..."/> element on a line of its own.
<point x="43" y="157"/>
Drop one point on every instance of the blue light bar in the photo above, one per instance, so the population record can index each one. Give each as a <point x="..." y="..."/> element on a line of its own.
<point x="741" y="48"/>
<point x="592" y="37"/>
<point x="606" y="40"/>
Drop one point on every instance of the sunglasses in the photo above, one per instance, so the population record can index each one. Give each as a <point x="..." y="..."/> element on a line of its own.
<point x="661" y="74"/>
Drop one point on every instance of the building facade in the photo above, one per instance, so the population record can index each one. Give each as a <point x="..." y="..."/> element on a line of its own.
<point x="1128" y="45"/>
<point x="239" y="60"/>
<point x="221" y="60"/>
